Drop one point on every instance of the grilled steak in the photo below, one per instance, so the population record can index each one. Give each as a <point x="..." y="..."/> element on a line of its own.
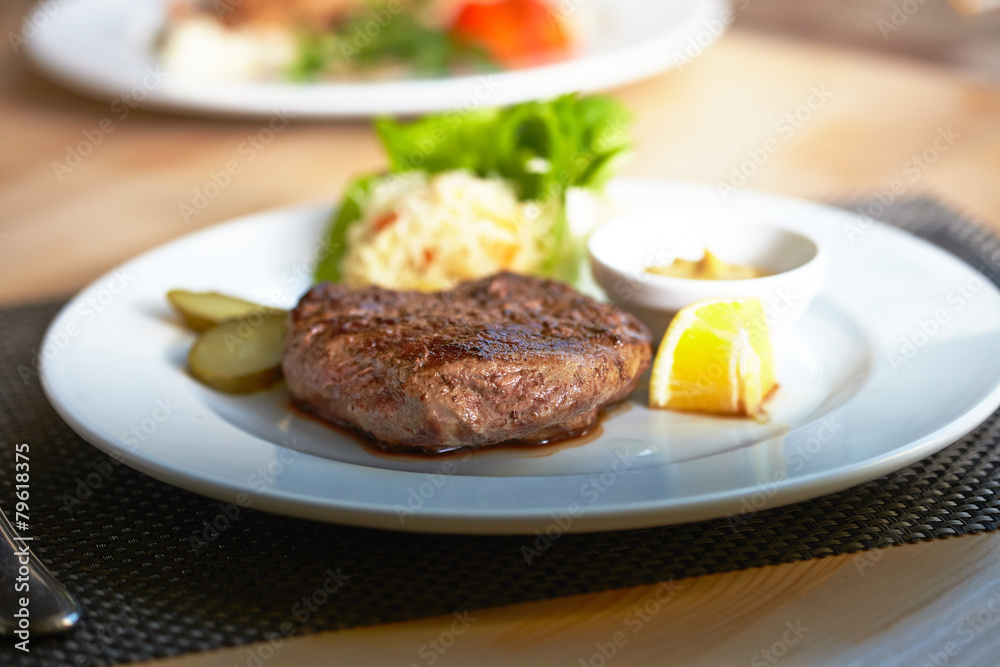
<point x="493" y="360"/>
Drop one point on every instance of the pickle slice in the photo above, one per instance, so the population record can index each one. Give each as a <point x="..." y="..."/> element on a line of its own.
<point x="203" y="310"/>
<point x="241" y="355"/>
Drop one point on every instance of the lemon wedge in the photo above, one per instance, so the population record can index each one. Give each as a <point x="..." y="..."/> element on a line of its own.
<point x="715" y="357"/>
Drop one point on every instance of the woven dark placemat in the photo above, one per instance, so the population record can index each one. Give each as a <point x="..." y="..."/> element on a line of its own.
<point x="156" y="579"/>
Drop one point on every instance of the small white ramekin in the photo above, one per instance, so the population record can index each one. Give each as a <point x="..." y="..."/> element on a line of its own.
<point x="621" y="250"/>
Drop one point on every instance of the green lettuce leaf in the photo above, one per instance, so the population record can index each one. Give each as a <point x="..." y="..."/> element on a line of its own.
<point x="335" y="244"/>
<point x="543" y="148"/>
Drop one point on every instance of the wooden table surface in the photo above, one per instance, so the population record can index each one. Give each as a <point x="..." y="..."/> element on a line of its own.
<point x="859" y="125"/>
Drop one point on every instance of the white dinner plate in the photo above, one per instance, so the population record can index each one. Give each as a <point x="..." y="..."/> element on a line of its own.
<point x="894" y="360"/>
<point x="104" y="48"/>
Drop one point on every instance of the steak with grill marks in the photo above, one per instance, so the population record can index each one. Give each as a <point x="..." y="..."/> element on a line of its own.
<point x="505" y="358"/>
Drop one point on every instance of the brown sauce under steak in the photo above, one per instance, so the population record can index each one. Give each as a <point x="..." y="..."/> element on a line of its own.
<point x="531" y="449"/>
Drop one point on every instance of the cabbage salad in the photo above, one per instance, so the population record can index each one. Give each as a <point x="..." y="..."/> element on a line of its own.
<point x="474" y="193"/>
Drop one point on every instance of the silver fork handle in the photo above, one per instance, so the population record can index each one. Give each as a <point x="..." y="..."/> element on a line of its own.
<point x="51" y="608"/>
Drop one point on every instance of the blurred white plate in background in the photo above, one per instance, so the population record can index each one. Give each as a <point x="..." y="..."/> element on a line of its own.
<point x="104" y="48"/>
